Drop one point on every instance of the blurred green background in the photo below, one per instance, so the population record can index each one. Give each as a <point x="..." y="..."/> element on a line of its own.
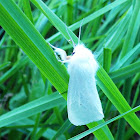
<point x="31" y="78"/>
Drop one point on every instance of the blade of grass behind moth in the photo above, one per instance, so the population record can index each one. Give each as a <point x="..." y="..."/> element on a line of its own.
<point x="70" y="11"/>
<point x="31" y="108"/>
<point x="22" y="62"/>
<point x="107" y="122"/>
<point x="122" y="123"/>
<point x="132" y="30"/>
<point x="86" y="19"/>
<point x="128" y="58"/>
<point x="66" y="125"/>
<point x="107" y="55"/>
<point x="114" y="35"/>
<point x="112" y="16"/>
<point x="33" y="134"/>
<point x="28" y="125"/>
<point x="17" y="25"/>
<point x="46" y="122"/>
<point x="55" y="20"/>
<point x="4" y="65"/>
<point x="114" y="95"/>
<point x="136" y="95"/>
<point x="27" y="9"/>
<point x="125" y="72"/>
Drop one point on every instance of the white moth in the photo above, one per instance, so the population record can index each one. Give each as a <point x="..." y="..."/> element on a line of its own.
<point x="83" y="102"/>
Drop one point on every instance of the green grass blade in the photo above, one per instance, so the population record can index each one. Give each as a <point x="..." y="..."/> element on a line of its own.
<point x="58" y="115"/>
<point x="132" y="30"/>
<point x="107" y="122"/>
<point x="4" y="65"/>
<point x="61" y="26"/>
<point x="86" y="19"/>
<point x="22" y="62"/>
<point x="103" y="133"/>
<point x="107" y="59"/>
<point x="32" y="43"/>
<point x="114" y="95"/>
<point x="28" y="125"/>
<point x="122" y="123"/>
<point x="62" y="129"/>
<point x="128" y="58"/>
<point x="114" y="35"/>
<point x="137" y="93"/>
<point x="33" y="134"/>
<point x="29" y="109"/>
<point x="70" y="12"/>
<point x="125" y="72"/>
<point x="111" y="16"/>
<point x="27" y="9"/>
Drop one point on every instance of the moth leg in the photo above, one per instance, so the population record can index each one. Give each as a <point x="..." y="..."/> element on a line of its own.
<point x="64" y="61"/>
<point x="56" y="56"/>
<point x="60" y="52"/>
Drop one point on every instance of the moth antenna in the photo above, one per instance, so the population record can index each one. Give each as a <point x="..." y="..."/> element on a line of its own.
<point x="70" y="37"/>
<point x="80" y="31"/>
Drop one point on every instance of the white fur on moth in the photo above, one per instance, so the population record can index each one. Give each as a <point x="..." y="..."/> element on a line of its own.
<point x="83" y="102"/>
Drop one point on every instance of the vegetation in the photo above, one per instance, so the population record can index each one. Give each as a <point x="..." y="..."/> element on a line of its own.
<point x="31" y="77"/>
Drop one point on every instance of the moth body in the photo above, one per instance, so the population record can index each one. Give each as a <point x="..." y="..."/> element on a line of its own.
<point x="83" y="102"/>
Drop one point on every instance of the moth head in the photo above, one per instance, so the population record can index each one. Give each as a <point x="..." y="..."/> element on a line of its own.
<point x="81" y="53"/>
<point x="79" y="49"/>
<point x="73" y="53"/>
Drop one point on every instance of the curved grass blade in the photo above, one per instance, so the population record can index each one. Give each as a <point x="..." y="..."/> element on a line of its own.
<point x="22" y="62"/>
<point x="29" y="109"/>
<point x="125" y="72"/>
<point x="86" y="19"/>
<point x="103" y="124"/>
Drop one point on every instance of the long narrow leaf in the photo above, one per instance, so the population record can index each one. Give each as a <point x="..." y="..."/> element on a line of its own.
<point x="29" y="109"/>
<point x="103" y="124"/>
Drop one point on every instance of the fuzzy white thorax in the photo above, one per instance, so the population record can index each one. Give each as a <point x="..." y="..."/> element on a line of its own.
<point x="81" y="55"/>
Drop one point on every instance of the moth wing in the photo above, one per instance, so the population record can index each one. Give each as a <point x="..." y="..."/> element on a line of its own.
<point x="83" y="103"/>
